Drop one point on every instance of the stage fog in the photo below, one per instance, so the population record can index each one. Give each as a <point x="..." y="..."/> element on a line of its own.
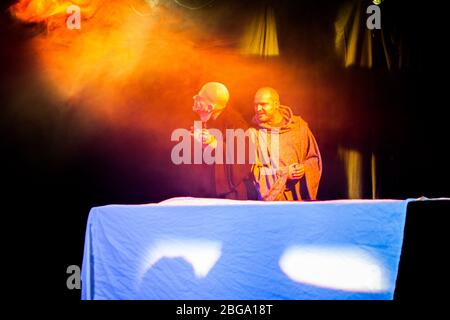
<point x="88" y="112"/>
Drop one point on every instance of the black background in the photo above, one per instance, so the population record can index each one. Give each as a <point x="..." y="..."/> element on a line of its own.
<point x="48" y="199"/>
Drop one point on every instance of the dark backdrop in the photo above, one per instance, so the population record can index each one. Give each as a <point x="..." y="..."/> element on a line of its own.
<point x="398" y="114"/>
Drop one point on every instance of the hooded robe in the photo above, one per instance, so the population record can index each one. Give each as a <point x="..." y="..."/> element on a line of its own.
<point x="226" y="180"/>
<point x="277" y="148"/>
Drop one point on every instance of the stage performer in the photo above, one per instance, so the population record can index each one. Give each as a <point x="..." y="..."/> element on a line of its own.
<point x="293" y="171"/>
<point x="230" y="181"/>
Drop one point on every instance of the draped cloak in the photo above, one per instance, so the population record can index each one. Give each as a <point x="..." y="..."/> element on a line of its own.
<point x="277" y="148"/>
<point x="229" y="180"/>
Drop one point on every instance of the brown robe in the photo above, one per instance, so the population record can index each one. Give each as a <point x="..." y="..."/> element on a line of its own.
<point x="230" y="181"/>
<point x="296" y="145"/>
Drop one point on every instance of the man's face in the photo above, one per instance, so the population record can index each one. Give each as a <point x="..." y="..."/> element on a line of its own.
<point x="202" y="107"/>
<point x="265" y="106"/>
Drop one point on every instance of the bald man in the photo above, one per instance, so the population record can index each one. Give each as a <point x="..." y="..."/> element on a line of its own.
<point x="230" y="181"/>
<point x="294" y="173"/>
<point x="211" y="100"/>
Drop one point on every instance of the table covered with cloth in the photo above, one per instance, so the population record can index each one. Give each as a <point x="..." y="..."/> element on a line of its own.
<point x="190" y="248"/>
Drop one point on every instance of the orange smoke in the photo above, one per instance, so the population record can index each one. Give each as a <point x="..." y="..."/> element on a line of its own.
<point x="43" y="10"/>
<point x="131" y="63"/>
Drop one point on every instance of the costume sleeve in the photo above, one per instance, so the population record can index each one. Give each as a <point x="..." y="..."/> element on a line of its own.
<point x="268" y="186"/>
<point x="278" y="187"/>
<point x="313" y="165"/>
<point x="238" y="172"/>
<point x="230" y="177"/>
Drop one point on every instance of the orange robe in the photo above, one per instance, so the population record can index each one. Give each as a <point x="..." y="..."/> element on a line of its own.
<point x="296" y="145"/>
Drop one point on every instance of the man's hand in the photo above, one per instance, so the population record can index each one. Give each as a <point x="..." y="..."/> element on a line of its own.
<point x="296" y="171"/>
<point x="205" y="137"/>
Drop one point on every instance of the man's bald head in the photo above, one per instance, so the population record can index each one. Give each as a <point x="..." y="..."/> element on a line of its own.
<point x="211" y="100"/>
<point x="268" y="93"/>
<point x="267" y="102"/>
<point x="215" y="93"/>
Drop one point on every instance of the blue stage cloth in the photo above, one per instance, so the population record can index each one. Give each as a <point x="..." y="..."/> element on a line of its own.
<point x="187" y="248"/>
